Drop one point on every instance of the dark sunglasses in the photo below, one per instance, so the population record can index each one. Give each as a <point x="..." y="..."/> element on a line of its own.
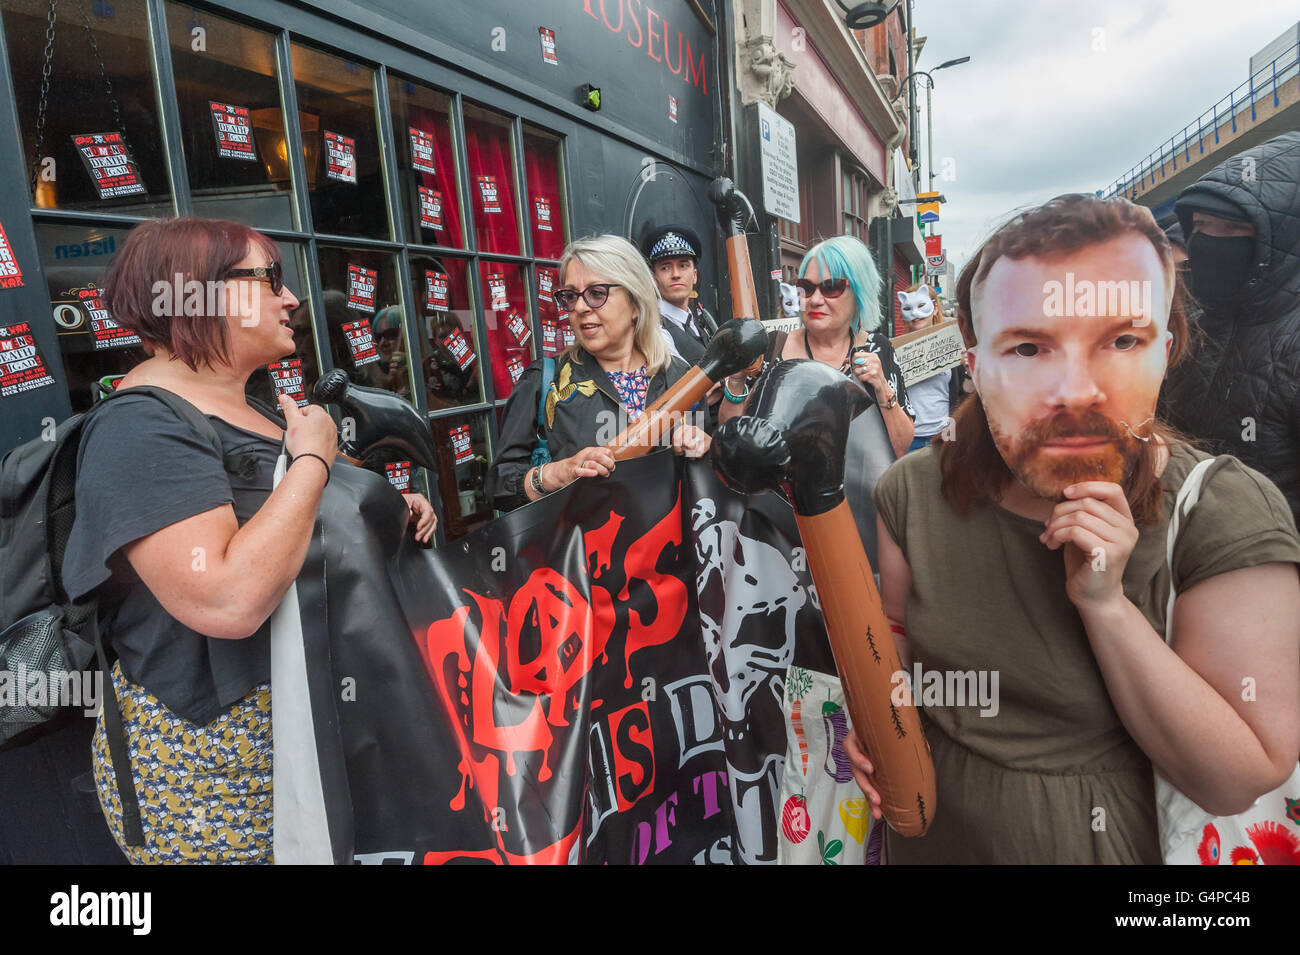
<point x="830" y="288"/>
<point x="273" y="274"/>
<point x="594" y="295"/>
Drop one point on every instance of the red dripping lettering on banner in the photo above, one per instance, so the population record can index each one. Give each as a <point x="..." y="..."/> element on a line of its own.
<point x="633" y="752"/>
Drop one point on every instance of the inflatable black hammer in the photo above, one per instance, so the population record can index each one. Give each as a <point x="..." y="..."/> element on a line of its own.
<point x="384" y="424"/>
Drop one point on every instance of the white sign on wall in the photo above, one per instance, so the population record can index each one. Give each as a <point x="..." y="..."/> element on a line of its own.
<point x="780" y="166"/>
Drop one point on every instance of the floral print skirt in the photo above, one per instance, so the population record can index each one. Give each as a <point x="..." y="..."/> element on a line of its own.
<point x="204" y="791"/>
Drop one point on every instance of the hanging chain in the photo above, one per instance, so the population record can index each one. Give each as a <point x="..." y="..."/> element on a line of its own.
<point x="103" y="74"/>
<point x="44" y="101"/>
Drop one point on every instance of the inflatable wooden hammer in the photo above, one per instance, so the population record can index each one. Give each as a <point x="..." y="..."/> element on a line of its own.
<point x="793" y="439"/>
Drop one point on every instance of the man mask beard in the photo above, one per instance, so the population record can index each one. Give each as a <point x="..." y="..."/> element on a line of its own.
<point x="1049" y="474"/>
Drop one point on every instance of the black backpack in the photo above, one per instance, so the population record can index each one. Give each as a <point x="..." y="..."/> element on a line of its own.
<point x="40" y="628"/>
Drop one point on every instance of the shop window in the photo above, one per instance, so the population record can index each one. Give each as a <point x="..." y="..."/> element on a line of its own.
<point x="491" y="181"/>
<point x="364" y="317"/>
<point x="557" y="334"/>
<point x="96" y="351"/>
<point x="295" y="374"/>
<point x="90" y="136"/>
<point x="336" y="116"/>
<point x="449" y="347"/>
<point x="232" y="127"/>
<point x="463" y="455"/>
<point x="509" y="327"/>
<point x="545" y="208"/>
<point x="855" y="193"/>
<point x="426" y="163"/>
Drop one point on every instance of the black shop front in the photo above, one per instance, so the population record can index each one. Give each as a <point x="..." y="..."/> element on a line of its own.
<point x="421" y="167"/>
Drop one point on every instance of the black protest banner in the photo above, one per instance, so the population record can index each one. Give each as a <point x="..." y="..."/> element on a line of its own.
<point x="598" y="677"/>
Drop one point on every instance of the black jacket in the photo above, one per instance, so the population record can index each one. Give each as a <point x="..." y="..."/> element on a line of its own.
<point x="1240" y="389"/>
<point x="588" y="412"/>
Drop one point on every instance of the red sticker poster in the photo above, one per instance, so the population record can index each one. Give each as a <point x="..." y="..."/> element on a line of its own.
<point x="460" y="444"/>
<point x="543" y="209"/>
<point x="11" y="276"/>
<point x="487" y="192"/>
<point x="459" y="348"/>
<point x="518" y="328"/>
<point x="361" y="342"/>
<point x="548" y="46"/>
<point x="421" y="150"/>
<point x="430" y="209"/>
<point x="21" y="366"/>
<point x="435" y="291"/>
<point x="104" y="332"/>
<point x="340" y="157"/>
<point x="399" y="474"/>
<point x="672" y="108"/>
<point x="234" y="131"/>
<point x="497" y="292"/>
<point x="550" y="339"/>
<point x="286" y="379"/>
<point x="515" y="365"/>
<point x="546" y="279"/>
<point x="110" y="164"/>
<point x="361" y="288"/>
<point x="570" y="339"/>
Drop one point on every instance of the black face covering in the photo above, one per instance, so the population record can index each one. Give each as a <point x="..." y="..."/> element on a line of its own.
<point x="1219" y="267"/>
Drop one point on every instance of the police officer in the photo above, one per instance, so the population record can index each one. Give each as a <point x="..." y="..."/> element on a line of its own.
<point x="674" y="252"/>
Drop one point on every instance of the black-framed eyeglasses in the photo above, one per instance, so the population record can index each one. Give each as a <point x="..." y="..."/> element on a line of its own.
<point x="594" y="295"/>
<point x="830" y="288"/>
<point x="272" y="274"/>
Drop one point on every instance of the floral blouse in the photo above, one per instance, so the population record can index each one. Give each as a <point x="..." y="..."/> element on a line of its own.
<point x="631" y="387"/>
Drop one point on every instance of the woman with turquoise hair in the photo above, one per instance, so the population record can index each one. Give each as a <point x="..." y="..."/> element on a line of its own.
<point x="840" y="298"/>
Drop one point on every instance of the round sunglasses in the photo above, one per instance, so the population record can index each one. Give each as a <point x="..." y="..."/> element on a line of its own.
<point x="830" y="288"/>
<point x="594" y="295"/>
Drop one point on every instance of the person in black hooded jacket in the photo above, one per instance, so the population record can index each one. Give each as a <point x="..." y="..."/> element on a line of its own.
<point x="1240" y="390"/>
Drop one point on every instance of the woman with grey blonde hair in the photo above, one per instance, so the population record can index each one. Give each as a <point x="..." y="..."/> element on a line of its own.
<point x="618" y="366"/>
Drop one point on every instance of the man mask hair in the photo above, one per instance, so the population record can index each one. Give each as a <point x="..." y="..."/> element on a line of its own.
<point x="1068" y="318"/>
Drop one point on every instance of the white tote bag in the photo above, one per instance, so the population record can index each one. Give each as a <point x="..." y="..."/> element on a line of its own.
<point x="1266" y="834"/>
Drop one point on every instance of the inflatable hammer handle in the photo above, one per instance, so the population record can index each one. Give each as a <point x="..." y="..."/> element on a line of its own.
<point x="667" y="410"/>
<point x="867" y="658"/>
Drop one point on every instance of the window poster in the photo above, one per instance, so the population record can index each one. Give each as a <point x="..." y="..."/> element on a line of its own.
<point x="566" y="332"/>
<point x="234" y="131"/>
<point x="399" y="475"/>
<point x="109" y="162"/>
<point x="430" y="208"/>
<point x="21" y="366"/>
<point x="548" y="46"/>
<point x="497" y="292"/>
<point x="457" y="344"/>
<point x="518" y="328"/>
<point x="340" y="157"/>
<point x="361" y="342"/>
<point x="515" y="366"/>
<point x="435" y="291"/>
<point x="286" y="379"/>
<point x="460" y="444"/>
<point x="11" y="276"/>
<point x="421" y="150"/>
<point x="550" y="339"/>
<point x="542" y="207"/>
<point x="672" y="108"/>
<point x="546" y="279"/>
<point x="104" y="332"/>
<point x="488" y="195"/>
<point x="361" y="288"/>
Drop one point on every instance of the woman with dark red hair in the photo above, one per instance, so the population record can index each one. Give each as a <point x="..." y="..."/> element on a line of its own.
<point x="189" y="551"/>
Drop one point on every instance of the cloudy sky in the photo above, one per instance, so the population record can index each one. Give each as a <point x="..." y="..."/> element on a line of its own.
<point x="1062" y="96"/>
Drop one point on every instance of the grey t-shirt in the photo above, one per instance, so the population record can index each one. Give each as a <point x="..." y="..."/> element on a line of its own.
<point x="140" y="469"/>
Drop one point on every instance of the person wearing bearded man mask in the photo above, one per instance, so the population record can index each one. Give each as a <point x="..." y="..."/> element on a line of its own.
<point x="1030" y="553"/>
<point x="1240" y="393"/>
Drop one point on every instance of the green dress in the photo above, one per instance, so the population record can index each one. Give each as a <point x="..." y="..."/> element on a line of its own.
<point x="1053" y="776"/>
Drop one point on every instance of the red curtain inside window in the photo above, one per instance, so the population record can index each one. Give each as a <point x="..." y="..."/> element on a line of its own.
<point x="502" y="345"/>
<point x="443" y="180"/>
<point x="541" y="170"/>
<point x="488" y="150"/>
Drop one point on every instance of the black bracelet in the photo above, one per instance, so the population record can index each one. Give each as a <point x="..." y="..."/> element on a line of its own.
<point x="308" y="454"/>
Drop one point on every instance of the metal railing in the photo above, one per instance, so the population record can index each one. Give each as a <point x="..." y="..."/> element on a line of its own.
<point x="1258" y="87"/>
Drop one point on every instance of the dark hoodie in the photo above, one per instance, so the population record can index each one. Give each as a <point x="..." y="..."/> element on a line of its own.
<point x="1240" y="389"/>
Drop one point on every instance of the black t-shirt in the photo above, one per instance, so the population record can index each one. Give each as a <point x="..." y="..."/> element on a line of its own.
<point x="140" y="469"/>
